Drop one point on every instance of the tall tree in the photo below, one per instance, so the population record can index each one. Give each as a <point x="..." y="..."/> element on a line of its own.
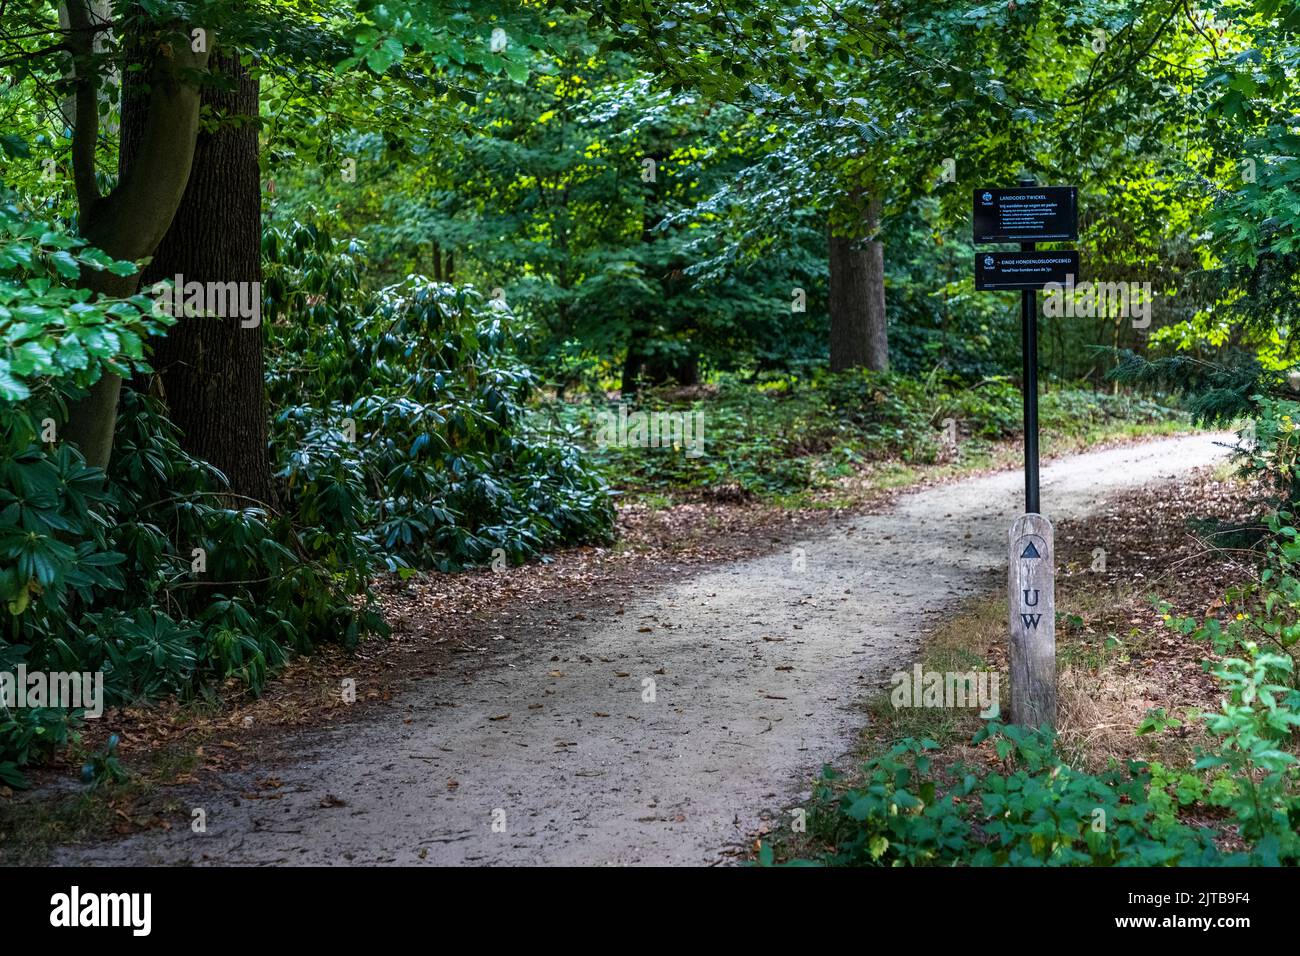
<point x="210" y="368"/>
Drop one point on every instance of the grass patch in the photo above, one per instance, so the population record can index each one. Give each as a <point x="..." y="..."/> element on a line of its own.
<point x="33" y="824"/>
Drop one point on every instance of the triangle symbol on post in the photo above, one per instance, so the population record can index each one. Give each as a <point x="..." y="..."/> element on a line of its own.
<point x="1030" y="551"/>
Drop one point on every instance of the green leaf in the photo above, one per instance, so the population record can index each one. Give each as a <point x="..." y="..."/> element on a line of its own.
<point x="66" y="264"/>
<point x="517" y="71"/>
<point x="11" y="389"/>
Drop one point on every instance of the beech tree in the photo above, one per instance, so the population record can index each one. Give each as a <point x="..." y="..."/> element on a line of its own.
<point x="131" y="219"/>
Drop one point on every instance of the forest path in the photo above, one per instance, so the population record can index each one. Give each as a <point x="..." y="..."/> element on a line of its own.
<point x="758" y="671"/>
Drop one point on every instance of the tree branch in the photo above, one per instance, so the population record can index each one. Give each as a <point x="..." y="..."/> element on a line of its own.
<point x="131" y="221"/>
<point x="85" y="128"/>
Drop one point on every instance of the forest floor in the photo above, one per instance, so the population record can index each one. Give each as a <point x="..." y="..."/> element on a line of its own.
<point x="510" y="719"/>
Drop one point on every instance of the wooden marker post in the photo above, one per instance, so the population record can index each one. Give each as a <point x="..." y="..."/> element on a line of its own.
<point x="1031" y="596"/>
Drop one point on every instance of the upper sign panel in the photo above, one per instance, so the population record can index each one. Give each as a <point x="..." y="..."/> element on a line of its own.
<point x="1027" y="214"/>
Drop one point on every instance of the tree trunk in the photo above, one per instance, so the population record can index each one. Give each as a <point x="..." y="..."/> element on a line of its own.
<point x="651" y="364"/>
<point x="655" y="369"/>
<point x="857" y="298"/>
<point x="212" y="369"/>
<point x="129" y="222"/>
<point x="682" y="370"/>
<point x="633" y="363"/>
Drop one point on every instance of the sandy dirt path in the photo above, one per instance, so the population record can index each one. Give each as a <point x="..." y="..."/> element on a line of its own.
<point x="555" y="756"/>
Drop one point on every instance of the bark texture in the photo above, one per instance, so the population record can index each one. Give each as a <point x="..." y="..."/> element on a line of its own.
<point x="858" y="336"/>
<point x="211" y="368"/>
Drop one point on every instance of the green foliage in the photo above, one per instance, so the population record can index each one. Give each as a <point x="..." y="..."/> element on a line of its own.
<point x="1217" y="393"/>
<point x="784" y="435"/>
<point x="1042" y="812"/>
<point x="29" y="735"/>
<point x="1047" y="813"/>
<point x="1267" y="609"/>
<point x="1270" y="445"/>
<point x="1256" y="652"/>
<point x="500" y="145"/>
<point x="545" y="196"/>
<point x="1256" y="722"/>
<point x="407" y="417"/>
<point x="1225" y="392"/>
<point x="56" y="552"/>
<point x="54" y="332"/>
<point x="98" y="572"/>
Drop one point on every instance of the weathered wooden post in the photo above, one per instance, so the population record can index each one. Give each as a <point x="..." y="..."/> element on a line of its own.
<point x="1031" y="597"/>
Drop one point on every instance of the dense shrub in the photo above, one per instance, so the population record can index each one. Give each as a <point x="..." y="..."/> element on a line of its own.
<point x="57" y="555"/>
<point x="1041" y="812"/>
<point x="406" y="415"/>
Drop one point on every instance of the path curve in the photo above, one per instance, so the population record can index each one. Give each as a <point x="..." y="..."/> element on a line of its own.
<point x="758" y="669"/>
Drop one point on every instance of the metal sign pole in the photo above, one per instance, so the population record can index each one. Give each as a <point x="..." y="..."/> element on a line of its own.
<point x="1031" y="578"/>
<point x="1029" y="358"/>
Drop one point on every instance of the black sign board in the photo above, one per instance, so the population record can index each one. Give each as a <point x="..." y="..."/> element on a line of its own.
<point x="1027" y="214"/>
<point x="1024" y="270"/>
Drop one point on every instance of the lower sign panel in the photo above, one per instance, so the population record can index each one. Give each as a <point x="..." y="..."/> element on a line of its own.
<point x="1024" y="270"/>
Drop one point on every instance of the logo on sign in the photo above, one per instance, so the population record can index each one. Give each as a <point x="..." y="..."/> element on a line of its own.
<point x="987" y="197"/>
<point x="988" y="262"/>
